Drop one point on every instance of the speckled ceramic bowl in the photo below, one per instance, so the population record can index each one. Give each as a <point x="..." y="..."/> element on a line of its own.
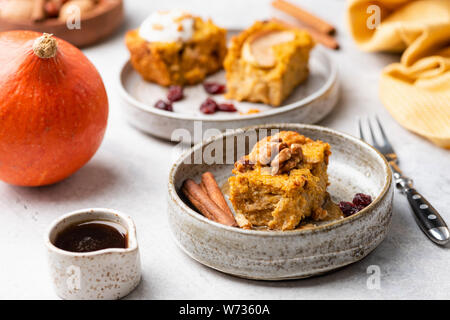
<point x="98" y="275"/>
<point x="276" y="255"/>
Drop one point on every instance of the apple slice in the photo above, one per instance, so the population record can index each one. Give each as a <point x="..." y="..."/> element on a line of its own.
<point x="257" y="49"/>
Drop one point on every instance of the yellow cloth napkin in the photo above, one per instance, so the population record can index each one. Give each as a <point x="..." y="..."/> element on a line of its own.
<point x="416" y="91"/>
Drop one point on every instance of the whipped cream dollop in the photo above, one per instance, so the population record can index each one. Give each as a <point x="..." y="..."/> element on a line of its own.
<point x="167" y="26"/>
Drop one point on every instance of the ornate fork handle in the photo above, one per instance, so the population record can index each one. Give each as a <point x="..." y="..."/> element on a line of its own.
<point x="401" y="182"/>
<point x="427" y="217"/>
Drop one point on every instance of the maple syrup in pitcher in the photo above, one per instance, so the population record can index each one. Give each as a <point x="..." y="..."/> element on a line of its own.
<point x="92" y="235"/>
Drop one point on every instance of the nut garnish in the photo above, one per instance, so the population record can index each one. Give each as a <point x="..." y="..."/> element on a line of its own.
<point x="287" y="166"/>
<point x="275" y="153"/>
<point x="296" y="148"/>
<point x="264" y="153"/>
<point x="280" y="159"/>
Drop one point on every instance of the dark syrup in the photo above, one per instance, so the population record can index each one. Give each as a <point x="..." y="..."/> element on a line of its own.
<point x="92" y="235"/>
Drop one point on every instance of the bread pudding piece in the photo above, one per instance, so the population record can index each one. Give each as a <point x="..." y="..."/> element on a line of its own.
<point x="281" y="182"/>
<point x="175" y="48"/>
<point x="266" y="62"/>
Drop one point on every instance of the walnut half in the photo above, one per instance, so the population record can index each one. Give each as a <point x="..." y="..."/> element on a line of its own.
<point x="272" y="152"/>
<point x="287" y="159"/>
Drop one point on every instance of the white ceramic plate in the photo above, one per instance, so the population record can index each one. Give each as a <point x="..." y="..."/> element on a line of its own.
<point x="309" y="103"/>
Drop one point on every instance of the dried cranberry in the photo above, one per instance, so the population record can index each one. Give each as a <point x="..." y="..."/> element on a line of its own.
<point x="209" y="106"/>
<point x="163" y="105"/>
<point x="214" y="87"/>
<point x="175" y="93"/>
<point x="227" y="107"/>
<point x="362" y="200"/>
<point x="348" y="208"/>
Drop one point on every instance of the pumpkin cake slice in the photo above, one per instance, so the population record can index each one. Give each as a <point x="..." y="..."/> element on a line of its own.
<point x="266" y="62"/>
<point x="176" y="48"/>
<point x="281" y="182"/>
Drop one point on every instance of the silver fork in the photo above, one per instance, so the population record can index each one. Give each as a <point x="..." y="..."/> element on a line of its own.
<point x="425" y="215"/>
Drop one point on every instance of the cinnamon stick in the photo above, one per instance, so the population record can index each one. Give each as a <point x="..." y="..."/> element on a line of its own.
<point x="202" y="185"/>
<point x="212" y="189"/>
<point x="193" y="195"/>
<point x="304" y="16"/>
<point x="319" y="37"/>
<point x="204" y="204"/>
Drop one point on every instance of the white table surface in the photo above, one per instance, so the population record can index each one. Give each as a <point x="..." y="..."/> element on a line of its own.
<point x="129" y="173"/>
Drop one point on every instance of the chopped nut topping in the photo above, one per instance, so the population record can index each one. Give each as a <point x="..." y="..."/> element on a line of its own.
<point x="288" y="165"/>
<point x="275" y="153"/>
<point x="280" y="160"/>
<point x="266" y="152"/>
<point x="296" y="148"/>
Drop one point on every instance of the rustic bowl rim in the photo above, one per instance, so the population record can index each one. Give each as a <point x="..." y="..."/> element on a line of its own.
<point x="301" y="103"/>
<point x="174" y="197"/>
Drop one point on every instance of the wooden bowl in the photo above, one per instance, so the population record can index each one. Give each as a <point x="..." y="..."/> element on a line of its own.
<point x="94" y="26"/>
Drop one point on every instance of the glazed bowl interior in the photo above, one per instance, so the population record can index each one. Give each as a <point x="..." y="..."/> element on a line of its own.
<point x="354" y="166"/>
<point x="89" y="215"/>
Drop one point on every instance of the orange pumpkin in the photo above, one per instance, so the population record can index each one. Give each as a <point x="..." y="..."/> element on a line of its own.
<point x="53" y="108"/>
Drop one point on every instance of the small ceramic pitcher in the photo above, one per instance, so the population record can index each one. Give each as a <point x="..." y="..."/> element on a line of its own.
<point x="103" y="274"/>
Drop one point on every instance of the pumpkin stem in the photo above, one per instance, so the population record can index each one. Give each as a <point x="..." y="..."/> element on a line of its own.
<point x="45" y="46"/>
